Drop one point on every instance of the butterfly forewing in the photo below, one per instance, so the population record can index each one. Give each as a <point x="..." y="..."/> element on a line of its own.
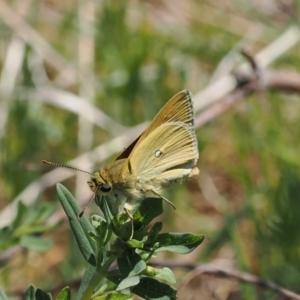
<point x="178" y="109"/>
<point x="170" y="147"/>
<point x="126" y="152"/>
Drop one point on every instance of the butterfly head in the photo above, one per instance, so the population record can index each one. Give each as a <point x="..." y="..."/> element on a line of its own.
<point x="98" y="184"/>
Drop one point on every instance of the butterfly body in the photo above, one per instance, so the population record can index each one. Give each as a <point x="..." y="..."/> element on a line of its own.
<point x="164" y="154"/>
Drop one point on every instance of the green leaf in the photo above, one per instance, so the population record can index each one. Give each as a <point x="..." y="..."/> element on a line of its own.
<point x="41" y="295"/>
<point x="121" y="249"/>
<point x="153" y="233"/>
<point x="83" y="242"/>
<point x="36" y="215"/>
<point x="114" y="296"/>
<point x="136" y="244"/>
<point x="97" y="220"/>
<point x="38" y="244"/>
<point x="65" y="294"/>
<point x="166" y="275"/>
<point x="22" y="208"/>
<point x="123" y="231"/>
<point x="88" y="275"/>
<point x="30" y="293"/>
<point x="140" y="233"/>
<point x="80" y="228"/>
<point x="151" y="289"/>
<point x="116" y="279"/>
<point x="178" y="242"/>
<point x="128" y="282"/>
<point x="131" y="265"/>
<point x="101" y="227"/>
<point x="40" y="213"/>
<point x="106" y="207"/>
<point x="149" y="209"/>
<point x="2" y="294"/>
<point x="6" y="234"/>
<point x="34" y="229"/>
<point x="84" y="221"/>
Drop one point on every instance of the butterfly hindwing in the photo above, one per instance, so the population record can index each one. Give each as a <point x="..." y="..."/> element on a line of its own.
<point x="170" y="147"/>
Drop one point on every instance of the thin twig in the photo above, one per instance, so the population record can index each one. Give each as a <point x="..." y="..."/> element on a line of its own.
<point x="269" y="80"/>
<point x="219" y="108"/>
<point x="72" y="103"/>
<point x="231" y="274"/>
<point x="40" y="45"/>
<point x="225" y="85"/>
<point x="9" y="74"/>
<point x="86" y="11"/>
<point x="250" y="59"/>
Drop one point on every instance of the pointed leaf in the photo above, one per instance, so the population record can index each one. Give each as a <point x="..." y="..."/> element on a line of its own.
<point x="106" y="207"/>
<point x="80" y="228"/>
<point x="30" y="293"/>
<point x="84" y="221"/>
<point x="140" y="233"/>
<point x="2" y="294"/>
<point x="121" y="249"/>
<point x="178" y="242"/>
<point x="114" y="296"/>
<point x="136" y="244"/>
<point x="5" y="237"/>
<point x="38" y="244"/>
<point x="21" y="210"/>
<point x="88" y="275"/>
<point x="128" y="282"/>
<point x="123" y="231"/>
<point x="116" y="279"/>
<point x="131" y="265"/>
<point x="149" y="209"/>
<point x="166" y="275"/>
<point x="65" y="294"/>
<point x="41" y="295"/>
<point x="153" y="233"/>
<point x="151" y="289"/>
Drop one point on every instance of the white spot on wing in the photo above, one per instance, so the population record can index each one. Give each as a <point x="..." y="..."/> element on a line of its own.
<point x="157" y="153"/>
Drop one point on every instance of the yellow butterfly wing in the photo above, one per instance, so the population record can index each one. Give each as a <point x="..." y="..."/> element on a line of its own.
<point x="168" y="153"/>
<point x="178" y="109"/>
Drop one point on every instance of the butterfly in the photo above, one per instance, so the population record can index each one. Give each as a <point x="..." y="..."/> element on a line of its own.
<point x="166" y="153"/>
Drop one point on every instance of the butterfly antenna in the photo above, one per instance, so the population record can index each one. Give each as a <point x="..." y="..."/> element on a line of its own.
<point x="82" y="211"/>
<point x="63" y="166"/>
<point x="76" y="169"/>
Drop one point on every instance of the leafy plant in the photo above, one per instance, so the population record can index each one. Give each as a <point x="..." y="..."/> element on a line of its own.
<point x="118" y="247"/>
<point x="27" y="228"/>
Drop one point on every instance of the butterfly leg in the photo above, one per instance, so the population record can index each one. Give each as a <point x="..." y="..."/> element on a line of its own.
<point x="168" y="201"/>
<point x="131" y="218"/>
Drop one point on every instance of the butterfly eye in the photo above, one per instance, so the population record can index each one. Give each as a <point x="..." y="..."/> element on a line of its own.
<point x="105" y="188"/>
<point x="157" y="153"/>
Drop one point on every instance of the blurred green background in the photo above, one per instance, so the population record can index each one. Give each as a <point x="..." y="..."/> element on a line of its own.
<point x="64" y="63"/>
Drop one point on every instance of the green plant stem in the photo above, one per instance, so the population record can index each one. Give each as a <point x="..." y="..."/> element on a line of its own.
<point x="150" y="255"/>
<point x="98" y="276"/>
<point x="107" y="237"/>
